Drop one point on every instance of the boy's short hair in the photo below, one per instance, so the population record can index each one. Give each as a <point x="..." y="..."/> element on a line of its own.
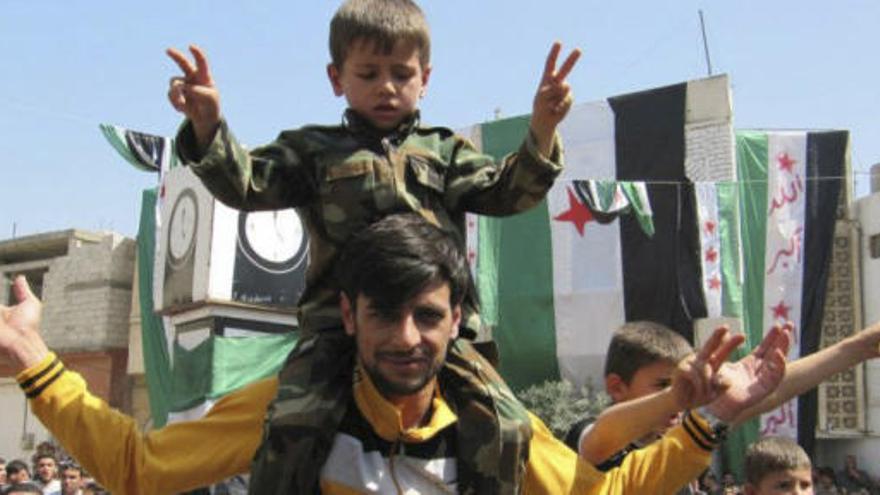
<point x="382" y="22"/>
<point x="773" y="454"/>
<point x="641" y="343"/>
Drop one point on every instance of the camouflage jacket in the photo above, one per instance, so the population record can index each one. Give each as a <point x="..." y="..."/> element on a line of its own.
<point x="341" y="178"/>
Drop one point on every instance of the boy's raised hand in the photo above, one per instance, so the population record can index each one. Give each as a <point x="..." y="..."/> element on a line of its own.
<point x="553" y="98"/>
<point x="696" y="381"/>
<point x="755" y="376"/>
<point x="194" y="93"/>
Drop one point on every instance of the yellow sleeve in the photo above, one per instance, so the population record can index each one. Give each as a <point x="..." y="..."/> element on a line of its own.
<point x="663" y="467"/>
<point x="173" y="459"/>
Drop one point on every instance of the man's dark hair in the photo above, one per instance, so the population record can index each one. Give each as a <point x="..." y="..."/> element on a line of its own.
<point x="70" y="466"/>
<point x="773" y="454"/>
<point x="382" y="23"/>
<point x="396" y="258"/>
<point x="15" y="466"/>
<point x="26" y="487"/>
<point x="641" y="343"/>
<point x="43" y="455"/>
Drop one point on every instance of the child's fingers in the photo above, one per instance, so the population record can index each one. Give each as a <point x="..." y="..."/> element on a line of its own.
<point x="180" y="59"/>
<point x="727" y="346"/>
<point x="550" y="64"/>
<point x="176" y="94"/>
<point x="568" y="64"/>
<point x="201" y="64"/>
<point x="711" y="344"/>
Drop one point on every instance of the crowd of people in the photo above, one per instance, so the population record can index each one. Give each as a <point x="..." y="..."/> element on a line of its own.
<point x="386" y="391"/>
<point x="46" y="475"/>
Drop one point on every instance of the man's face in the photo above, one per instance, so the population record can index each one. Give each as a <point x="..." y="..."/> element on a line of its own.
<point x="647" y="380"/>
<point x="71" y="481"/>
<point x="383" y="88"/>
<point x="46" y="469"/>
<point x="789" y="482"/>
<point x="403" y="349"/>
<point x="2" y="473"/>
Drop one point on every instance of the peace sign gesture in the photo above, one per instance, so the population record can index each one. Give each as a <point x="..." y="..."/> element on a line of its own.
<point x="194" y="94"/>
<point x="553" y="98"/>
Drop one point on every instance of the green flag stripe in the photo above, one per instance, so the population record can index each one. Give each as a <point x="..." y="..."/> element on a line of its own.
<point x="525" y="322"/>
<point x="751" y="153"/>
<point x="751" y="159"/>
<point x="156" y="361"/>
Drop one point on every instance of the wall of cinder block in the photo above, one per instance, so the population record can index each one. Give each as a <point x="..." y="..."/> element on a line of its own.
<point x="87" y="294"/>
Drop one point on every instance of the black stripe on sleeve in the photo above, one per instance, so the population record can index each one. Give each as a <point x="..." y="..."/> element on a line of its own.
<point x="30" y="381"/>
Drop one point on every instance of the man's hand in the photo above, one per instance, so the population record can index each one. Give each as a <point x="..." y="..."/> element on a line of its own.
<point x="20" y="327"/>
<point x="696" y="381"/>
<point x="194" y="94"/>
<point x="553" y="98"/>
<point x="753" y="377"/>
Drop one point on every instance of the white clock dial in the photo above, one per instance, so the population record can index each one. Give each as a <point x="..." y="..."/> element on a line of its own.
<point x="182" y="227"/>
<point x="275" y="236"/>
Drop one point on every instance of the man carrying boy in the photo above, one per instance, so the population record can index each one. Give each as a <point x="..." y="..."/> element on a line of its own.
<point x="403" y="281"/>
<point x="777" y="466"/>
<point x="343" y="178"/>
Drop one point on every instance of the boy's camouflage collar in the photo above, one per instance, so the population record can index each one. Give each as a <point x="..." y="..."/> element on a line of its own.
<point x="360" y="126"/>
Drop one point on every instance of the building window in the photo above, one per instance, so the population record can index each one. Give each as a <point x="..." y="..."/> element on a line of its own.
<point x="874" y="245"/>
<point x="34" y="278"/>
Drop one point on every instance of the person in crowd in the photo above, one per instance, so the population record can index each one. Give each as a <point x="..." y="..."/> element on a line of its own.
<point x="402" y="281"/>
<point x="853" y="479"/>
<point x="24" y="488"/>
<point x="825" y="481"/>
<point x="729" y="485"/>
<point x="709" y="484"/>
<point x="17" y="472"/>
<point x="2" y="474"/>
<point x="777" y="466"/>
<point x="46" y="469"/>
<point x="381" y="160"/>
<point x="71" y="479"/>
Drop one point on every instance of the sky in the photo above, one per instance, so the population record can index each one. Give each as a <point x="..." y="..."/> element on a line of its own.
<point x="70" y="66"/>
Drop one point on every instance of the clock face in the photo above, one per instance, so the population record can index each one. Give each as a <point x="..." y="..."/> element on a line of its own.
<point x="273" y="240"/>
<point x="182" y="226"/>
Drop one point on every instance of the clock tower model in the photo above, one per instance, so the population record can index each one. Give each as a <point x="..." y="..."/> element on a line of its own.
<point x="209" y="253"/>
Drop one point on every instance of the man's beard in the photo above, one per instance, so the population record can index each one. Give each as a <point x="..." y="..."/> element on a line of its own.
<point x="394" y="388"/>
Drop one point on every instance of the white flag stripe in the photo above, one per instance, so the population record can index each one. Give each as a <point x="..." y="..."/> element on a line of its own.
<point x="710" y="244"/>
<point x="783" y="258"/>
<point x="587" y="275"/>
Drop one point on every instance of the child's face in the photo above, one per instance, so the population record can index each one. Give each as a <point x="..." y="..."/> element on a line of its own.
<point x="383" y="88"/>
<point x="789" y="482"/>
<point x="647" y="380"/>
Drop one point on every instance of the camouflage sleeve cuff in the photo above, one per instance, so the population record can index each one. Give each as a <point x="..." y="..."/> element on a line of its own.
<point x="552" y="162"/>
<point x="34" y="380"/>
<point x="701" y="431"/>
<point x="187" y="146"/>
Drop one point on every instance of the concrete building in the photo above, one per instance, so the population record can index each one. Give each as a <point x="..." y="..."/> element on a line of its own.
<point x="852" y="405"/>
<point x="85" y="281"/>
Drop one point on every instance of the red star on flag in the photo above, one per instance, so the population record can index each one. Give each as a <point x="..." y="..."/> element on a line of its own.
<point x="780" y="311"/>
<point x="786" y="162"/>
<point x="710" y="227"/>
<point x="711" y="255"/>
<point x="715" y="282"/>
<point x="577" y="213"/>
